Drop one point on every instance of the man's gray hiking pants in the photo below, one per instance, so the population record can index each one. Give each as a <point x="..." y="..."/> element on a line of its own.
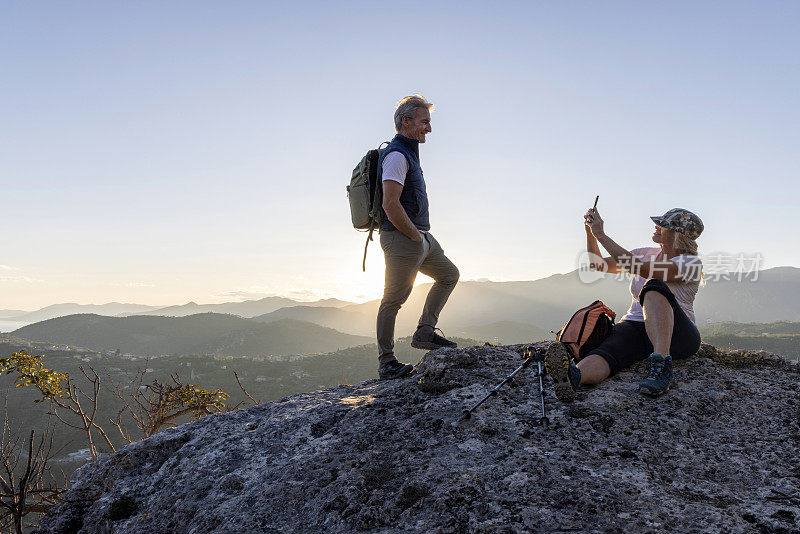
<point x="404" y="259"/>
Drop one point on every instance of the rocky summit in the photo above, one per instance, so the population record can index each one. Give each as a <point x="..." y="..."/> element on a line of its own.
<point x="718" y="453"/>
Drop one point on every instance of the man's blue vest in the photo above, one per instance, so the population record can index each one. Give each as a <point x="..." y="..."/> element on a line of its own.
<point x="414" y="197"/>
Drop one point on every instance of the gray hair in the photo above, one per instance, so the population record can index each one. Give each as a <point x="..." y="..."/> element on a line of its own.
<point x="406" y="108"/>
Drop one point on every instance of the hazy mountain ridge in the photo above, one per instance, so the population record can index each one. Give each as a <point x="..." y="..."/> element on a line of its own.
<point x="772" y="296"/>
<point x="548" y="302"/>
<point x="545" y="304"/>
<point x="71" y="308"/>
<point x="336" y="318"/>
<point x="207" y="333"/>
<point x="247" y="308"/>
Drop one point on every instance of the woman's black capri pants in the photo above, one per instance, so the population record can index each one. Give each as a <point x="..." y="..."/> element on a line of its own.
<point x="628" y="342"/>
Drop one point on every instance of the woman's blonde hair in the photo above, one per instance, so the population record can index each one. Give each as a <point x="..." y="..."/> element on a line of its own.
<point x="685" y="245"/>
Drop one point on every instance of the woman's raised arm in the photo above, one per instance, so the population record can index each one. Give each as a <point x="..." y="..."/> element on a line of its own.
<point x="624" y="260"/>
<point x="596" y="260"/>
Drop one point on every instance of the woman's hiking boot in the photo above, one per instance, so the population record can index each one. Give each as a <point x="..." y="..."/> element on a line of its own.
<point x="426" y="338"/>
<point x="394" y="369"/>
<point x="659" y="376"/>
<point x="562" y="369"/>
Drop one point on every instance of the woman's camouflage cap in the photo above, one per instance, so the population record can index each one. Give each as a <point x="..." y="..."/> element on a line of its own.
<point x="682" y="221"/>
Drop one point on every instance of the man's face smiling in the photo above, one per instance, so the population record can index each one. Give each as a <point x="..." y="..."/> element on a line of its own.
<point x="418" y="125"/>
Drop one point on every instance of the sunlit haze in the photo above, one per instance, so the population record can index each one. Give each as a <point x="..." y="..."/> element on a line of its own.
<point x="164" y="152"/>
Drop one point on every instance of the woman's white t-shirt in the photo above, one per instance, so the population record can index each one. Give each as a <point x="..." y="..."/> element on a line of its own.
<point x="689" y="267"/>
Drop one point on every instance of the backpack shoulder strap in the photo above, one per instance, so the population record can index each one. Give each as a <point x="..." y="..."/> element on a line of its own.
<point x="374" y="207"/>
<point x="369" y="238"/>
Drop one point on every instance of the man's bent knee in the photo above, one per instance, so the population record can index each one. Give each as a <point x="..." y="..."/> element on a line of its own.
<point x="389" y="308"/>
<point x="395" y="297"/>
<point x="451" y="278"/>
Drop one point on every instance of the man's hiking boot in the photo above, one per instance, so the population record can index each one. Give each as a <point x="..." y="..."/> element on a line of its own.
<point x="565" y="374"/>
<point x="659" y="377"/>
<point x="394" y="369"/>
<point x="426" y="338"/>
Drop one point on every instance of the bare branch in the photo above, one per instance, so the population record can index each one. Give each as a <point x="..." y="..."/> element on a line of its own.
<point x="34" y="492"/>
<point x="255" y="402"/>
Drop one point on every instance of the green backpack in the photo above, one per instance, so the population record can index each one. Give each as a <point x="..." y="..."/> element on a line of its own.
<point x="366" y="196"/>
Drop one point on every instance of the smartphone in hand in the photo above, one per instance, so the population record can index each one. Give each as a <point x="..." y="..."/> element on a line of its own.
<point x="589" y="218"/>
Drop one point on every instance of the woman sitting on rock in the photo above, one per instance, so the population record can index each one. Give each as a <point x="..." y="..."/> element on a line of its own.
<point x="659" y="325"/>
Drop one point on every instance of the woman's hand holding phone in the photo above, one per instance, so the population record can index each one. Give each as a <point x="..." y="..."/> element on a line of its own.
<point x="593" y="221"/>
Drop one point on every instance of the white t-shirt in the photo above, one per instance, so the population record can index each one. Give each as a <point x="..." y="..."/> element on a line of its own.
<point x="395" y="167"/>
<point x="689" y="267"/>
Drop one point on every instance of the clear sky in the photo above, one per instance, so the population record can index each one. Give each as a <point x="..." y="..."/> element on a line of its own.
<point x="160" y="152"/>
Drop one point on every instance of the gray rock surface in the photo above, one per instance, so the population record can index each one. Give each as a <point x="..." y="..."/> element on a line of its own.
<point x="719" y="453"/>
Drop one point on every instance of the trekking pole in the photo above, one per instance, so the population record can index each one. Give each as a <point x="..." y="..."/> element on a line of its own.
<point x="540" y="372"/>
<point x="533" y="356"/>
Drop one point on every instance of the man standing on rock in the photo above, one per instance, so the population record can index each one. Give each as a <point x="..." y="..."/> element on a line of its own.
<point x="407" y="244"/>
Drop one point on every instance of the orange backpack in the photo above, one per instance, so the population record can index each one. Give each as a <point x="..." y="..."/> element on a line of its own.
<point x="587" y="328"/>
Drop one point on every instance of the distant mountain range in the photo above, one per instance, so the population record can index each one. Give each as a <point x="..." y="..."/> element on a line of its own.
<point x="206" y="333"/>
<point x="346" y="321"/>
<point x="548" y="303"/>
<point x="506" y="311"/>
<point x="247" y="308"/>
<point x="69" y="308"/>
